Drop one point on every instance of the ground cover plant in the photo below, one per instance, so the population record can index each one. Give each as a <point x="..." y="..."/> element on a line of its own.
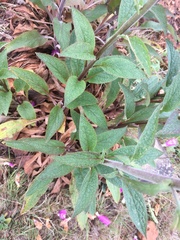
<point x="113" y="104"/>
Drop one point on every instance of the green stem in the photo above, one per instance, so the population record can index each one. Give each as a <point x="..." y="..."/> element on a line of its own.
<point x="135" y="18"/>
<point x="142" y="174"/>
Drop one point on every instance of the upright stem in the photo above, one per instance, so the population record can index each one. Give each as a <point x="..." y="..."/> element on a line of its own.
<point x="135" y="18"/>
<point x="142" y="174"/>
<point x="61" y="7"/>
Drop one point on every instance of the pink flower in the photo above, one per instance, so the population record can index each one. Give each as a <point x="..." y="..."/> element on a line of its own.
<point x="10" y="164"/>
<point x="171" y="142"/>
<point x="121" y="190"/>
<point x="105" y="220"/>
<point x="62" y="214"/>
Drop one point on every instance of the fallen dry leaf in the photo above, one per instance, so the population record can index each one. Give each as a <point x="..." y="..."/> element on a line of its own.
<point x="67" y="134"/>
<point x="29" y="164"/>
<point x="48" y="225"/>
<point x="152" y="232"/>
<point x="57" y="186"/>
<point x="38" y="237"/>
<point x="38" y="224"/>
<point x="64" y="224"/>
<point x="157" y="209"/>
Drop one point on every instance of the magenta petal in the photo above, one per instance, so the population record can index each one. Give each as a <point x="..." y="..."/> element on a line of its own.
<point x="105" y="220"/>
<point x="171" y="142"/>
<point x="121" y="190"/>
<point x="62" y="214"/>
<point x="10" y="164"/>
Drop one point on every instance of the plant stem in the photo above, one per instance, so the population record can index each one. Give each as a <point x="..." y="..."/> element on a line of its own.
<point x="142" y="174"/>
<point x="135" y="18"/>
<point x="61" y="7"/>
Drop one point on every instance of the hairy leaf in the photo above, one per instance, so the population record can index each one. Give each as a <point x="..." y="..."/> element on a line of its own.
<point x="99" y="76"/>
<point x="26" y="111"/>
<point x="30" y="39"/>
<point x="37" y="145"/>
<point x="120" y="66"/>
<point x="40" y="184"/>
<point x="87" y="135"/>
<point x="96" y="115"/>
<point x="74" y="89"/>
<point x="147" y="137"/>
<point x="126" y="10"/>
<point x="79" y="50"/>
<point x="115" y="191"/>
<point x="33" y="80"/>
<point x="95" y="13"/>
<point x="87" y="191"/>
<point x="79" y="159"/>
<point x="6" y="98"/>
<point x="56" y="66"/>
<point x="83" y="30"/>
<point x="136" y="207"/>
<point x="160" y="14"/>
<point x="141" y="52"/>
<point x="55" y="120"/>
<point x="107" y="139"/>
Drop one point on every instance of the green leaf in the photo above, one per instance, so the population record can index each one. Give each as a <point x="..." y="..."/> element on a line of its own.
<point x="96" y="115"/>
<point x="99" y="76"/>
<point x="62" y="32"/>
<point x="106" y="171"/>
<point x="129" y="101"/>
<point x="87" y="191"/>
<point x="113" y="5"/>
<point x="142" y="114"/>
<point x="6" y="98"/>
<point x="107" y="139"/>
<point x="37" y="145"/>
<point x="147" y="137"/>
<point x="172" y="98"/>
<point x="120" y="66"/>
<point x="79" y="175"/>
<point x="39" y="186"/>
<point x="8" y="129"/>
<point x="26" y="111"/>
<point x="74" y="89"/>
<point x="55" y="121"/>
<point x="112" y="90"/>
<point x="38" y="3"/>
<point x="56" y="66"/>
<point x="95" y="13"/>
<point x="83" y="29"/>
<point x="84" y="99"/>
<point x="151" y="189"/>
<point x="123" y="154"/>
<point x="141" y="52"/>
<point x="30" y="39"/>
<point x="126" y="10"/>
<point x="20" y="85"/>
<point x="136" y="207"/>
<point x="173" y="62"/>
<point x="33" y="80"/>
<point x="82" y="217"/>
<point x="3" y="59"/>
<point x="114" y="191"/>
<point x="80" y="159"/>
<point x="2" y="44"/>
<point x="77" y="66"/>
<point x="171" y="127"/>
<point x="160" y="14"/>
<point x="79" y="50"/>
<point x="87" y="135"/>
<point x="5" y="73"/>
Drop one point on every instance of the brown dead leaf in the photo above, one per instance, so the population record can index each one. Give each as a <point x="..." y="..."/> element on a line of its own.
<point x="152" y="232"/>
<point x="91" y="217"/>
<point x="29" y="164"/>
<point x="39" y="237"/>
<point x="67" y="134"/>
<point x="57" y="186"/>
<point x="157" y="209"/>
<point x="37" y="224"/>
<point x="66" y="180"/>
<point x="48" y="225"/>
<point x="64" y="224"/>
